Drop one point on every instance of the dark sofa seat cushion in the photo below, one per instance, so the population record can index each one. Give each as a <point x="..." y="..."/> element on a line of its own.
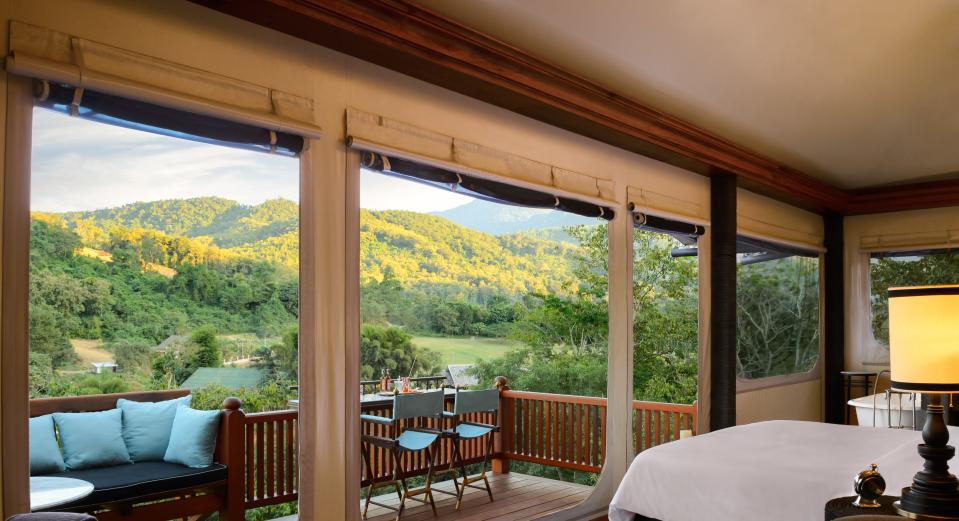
<point x="137" y="480"/>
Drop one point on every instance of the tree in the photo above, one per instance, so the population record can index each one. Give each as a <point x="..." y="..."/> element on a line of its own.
<point x="777" y="310"/>
<point x="47" y="335"/>
<point x="918" y="270"/>
<point x="567" y="333"/>
<point x="281" y="360"/>
<point x="132" y="356"/>
<point x="391" y="349"/>
<point x="207" y="353"/>
<point x="42" y="375"/>
<point x="169" y="369"/>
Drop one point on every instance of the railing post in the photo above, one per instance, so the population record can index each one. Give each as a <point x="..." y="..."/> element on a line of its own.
<point x="503" y="440"/>
<point x="230" y="451"/>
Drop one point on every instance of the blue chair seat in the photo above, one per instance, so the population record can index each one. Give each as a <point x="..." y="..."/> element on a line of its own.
<point x="468" y="431"/>
<point x="416" y="440"/>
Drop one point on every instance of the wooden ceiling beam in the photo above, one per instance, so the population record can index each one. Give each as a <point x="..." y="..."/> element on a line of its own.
<point x="412" y="40"/>
<point x="898" y="198"/>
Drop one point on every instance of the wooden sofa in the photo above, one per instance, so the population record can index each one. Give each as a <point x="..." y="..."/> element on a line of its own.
<point x="157" y="491"/>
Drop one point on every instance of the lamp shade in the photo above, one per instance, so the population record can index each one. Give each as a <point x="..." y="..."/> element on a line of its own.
<point x="924" y="338"/>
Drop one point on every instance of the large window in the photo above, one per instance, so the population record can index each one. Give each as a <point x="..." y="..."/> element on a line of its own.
<point x="777" y="304"/>
<point x="464" y="280"/>
<point x="158" y="262"/>
<point x="917" y="268"/>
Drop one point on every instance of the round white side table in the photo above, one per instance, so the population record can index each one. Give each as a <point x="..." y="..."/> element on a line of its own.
<point x="49" y="492"/>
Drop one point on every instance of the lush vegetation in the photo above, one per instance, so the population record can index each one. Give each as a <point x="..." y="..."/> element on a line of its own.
<point x="777" y="304"/>
<point x="158" y="283"/>
<point x="566" y="334"/>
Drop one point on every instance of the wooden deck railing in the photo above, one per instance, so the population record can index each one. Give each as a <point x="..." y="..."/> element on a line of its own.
<point x="559" y="430"/>
<point x="270" y="473"/>
<point x="554" y="429"/>
<point x="569" y="431"/>
<point x="657" y="423"/>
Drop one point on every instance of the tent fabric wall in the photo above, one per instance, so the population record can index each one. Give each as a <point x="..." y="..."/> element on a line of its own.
<point x="763" y="218"/>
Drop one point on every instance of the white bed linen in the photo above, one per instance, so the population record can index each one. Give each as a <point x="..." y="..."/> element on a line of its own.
<point x="783" y="470"/>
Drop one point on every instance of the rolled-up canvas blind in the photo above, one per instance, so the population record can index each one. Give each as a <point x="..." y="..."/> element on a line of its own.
<point x="64" y="59"/>
<point x="686" y="233"/>
<point x="398" y="140"/>
<point x="480" y="188"/>
<point x="119" y="111"/>
<point x="679" y="207"/>
<point x="777" y="224"/>
<point x="910" y="242"/>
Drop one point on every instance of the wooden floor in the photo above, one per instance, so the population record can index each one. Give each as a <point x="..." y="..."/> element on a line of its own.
<point x="516" y="496"/>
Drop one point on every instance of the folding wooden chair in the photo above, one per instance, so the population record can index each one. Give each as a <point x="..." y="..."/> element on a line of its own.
<point x="402" y="440"/>
<point x="468" y="402"/>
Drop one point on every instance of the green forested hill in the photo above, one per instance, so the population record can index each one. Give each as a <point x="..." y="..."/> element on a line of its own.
<point x="419" y="250"/>
<point x="425" y="250"/>
<point x="227" y="223"/>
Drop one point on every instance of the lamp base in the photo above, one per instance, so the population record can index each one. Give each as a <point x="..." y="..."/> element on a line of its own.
<point x="934" y="494"/>
<point x="920" y="517"/>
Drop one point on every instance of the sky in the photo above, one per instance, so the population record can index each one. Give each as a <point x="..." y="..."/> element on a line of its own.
<point x="82" y="165"/>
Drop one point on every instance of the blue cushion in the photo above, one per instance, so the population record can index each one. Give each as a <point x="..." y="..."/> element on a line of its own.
<point x="147" y="426"/>
<point x="468" y="431"/>
<point x="92" y="439"/>
<point x="45" y="457"/>
<point x="416" y="440"/>
<point x="193" y="437"/>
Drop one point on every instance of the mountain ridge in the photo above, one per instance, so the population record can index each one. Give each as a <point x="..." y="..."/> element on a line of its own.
<point x="503" y="219"/>
<point x="421" y="250"/>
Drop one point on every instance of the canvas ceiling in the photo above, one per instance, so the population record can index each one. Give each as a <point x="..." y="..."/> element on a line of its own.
<point x="857" y="93"/>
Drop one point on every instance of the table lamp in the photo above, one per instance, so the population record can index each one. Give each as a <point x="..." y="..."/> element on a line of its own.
<point x="924" y="358"/>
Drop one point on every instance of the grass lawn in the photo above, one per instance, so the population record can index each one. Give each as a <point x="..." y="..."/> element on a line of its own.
<point x="89" y="351"/>
<point x="466" y="350"/>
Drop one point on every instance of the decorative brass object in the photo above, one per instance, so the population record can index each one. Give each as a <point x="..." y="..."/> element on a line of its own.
<point x="869" y="486"/>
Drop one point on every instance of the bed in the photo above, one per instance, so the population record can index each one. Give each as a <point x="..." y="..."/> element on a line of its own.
<point x="787" y="469"/>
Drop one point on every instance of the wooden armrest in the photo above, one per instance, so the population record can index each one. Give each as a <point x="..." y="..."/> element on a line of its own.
<point x="379" y="441"/>
<point x="476" y="424"/>
<point x="425" y="429"/>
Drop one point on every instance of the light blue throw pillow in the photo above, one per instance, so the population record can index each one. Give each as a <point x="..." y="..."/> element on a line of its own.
<point x="45" y="457"/>
<point x="193" y="438"/>
<point x="92" y="439"/>
<point x="147" y="426"/>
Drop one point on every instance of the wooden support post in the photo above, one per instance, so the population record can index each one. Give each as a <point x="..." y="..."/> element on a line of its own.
<point x="503" y="440"/>
<point x="722" y="327"/>
<point x="230" y="451"/>
<point x="834" y="319"/>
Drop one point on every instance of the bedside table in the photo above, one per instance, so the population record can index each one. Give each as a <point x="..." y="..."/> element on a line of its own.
<point x="842" y="507"/>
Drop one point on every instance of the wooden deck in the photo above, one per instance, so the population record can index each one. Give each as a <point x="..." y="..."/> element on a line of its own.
<point x="516" y="496"/>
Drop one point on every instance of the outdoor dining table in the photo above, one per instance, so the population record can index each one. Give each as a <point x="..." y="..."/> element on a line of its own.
<point x="374" y="399"/>
<point x="377" y="399"/>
